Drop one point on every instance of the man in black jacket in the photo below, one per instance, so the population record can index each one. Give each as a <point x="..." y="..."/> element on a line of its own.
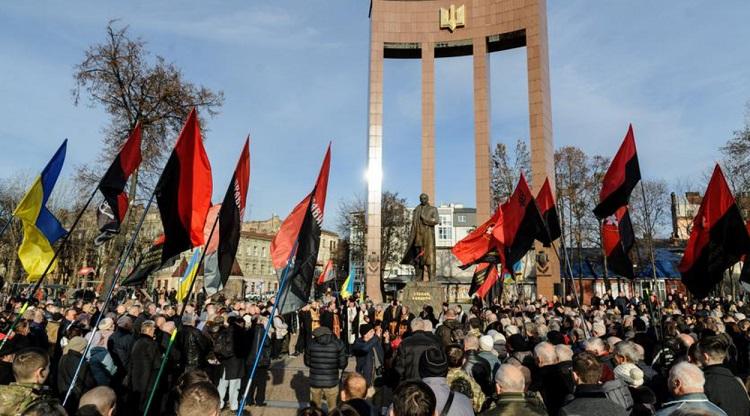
<point x="412" y="348"/>
<point x="589" y="397"/>
<point x="477" y="367"/>
<point x="257" y="394"/>
<point x="325" y="356"/>
<point x="722" y="387"/>
<point x="145" y="360"/>
<point x="194" y="346"/>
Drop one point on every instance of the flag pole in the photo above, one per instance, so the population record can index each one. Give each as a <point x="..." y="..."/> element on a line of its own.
<point x="276" y="304"/>
<point x="57" y="251"/>
<point x="649" y="233"/>
<point x="607" y="285"/>
<point x="116" y="275"/>
<point x="7" y="223"/>
<point x="165" y="357"/>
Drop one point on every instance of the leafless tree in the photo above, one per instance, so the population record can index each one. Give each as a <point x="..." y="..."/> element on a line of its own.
<point x="506" y="170"/>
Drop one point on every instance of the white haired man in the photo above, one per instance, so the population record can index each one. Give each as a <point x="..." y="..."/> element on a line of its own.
<point x="686" y="385"/>
<point x="510" y="385"/>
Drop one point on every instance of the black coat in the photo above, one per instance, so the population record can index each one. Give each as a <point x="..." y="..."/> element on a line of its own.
<point x="554" y="384"/>
<point x="144" y="364"/>
<point x="726" y="391"/>
<point x="256" y="335"/>
<point x="66" y="370"/>
<point x="325" y="356"/>
<point x="226" y="352"/>
<point x="120" y="344"/>
<point x="194" y="346"/>
<point x="590" y="399"/>
<point x="411" y="350"/>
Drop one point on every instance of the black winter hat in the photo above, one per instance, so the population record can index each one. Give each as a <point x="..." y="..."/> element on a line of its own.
<point x="433" y="363"/>
<point x="363" y="329"/>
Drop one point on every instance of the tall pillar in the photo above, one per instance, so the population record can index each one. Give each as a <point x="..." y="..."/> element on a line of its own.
<point x="482" y="127"/>
<point x="428" y="120"/>
<point x="540" y="121"/>
<point x="374" y="169"/>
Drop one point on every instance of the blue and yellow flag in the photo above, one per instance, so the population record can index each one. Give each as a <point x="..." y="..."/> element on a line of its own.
<point x="40" y="228"/>
<point x="187" y="279"/>
<point x="348" y="288"/>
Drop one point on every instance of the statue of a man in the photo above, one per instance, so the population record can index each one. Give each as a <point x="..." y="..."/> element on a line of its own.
<point x="421" y="251"/>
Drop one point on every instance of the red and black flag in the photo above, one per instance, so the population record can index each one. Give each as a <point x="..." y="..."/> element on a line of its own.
<point x="149" y="262"/>
<point x="327" y="274"/>
<point x="546" y="203"/>
<point x="484" y="279"/>
<point x="184" y="191"/>
<point x="621" y="177"/>
<point x="618" y="238"/>
<point x="522" y="224"/>
<point x="717" y="241"/>
<point x="478" y="244"/>
<point x="301" y="229"/>
<point x="230" y="221"/>
<point x="112" y="210"/>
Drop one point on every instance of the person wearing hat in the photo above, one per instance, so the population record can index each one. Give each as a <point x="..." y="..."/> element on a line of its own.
<point x="433" y="369"/>
<point x="369" y="354"/>
<point x="325" y="356"/>
<point x="487" y="351"/>
<point x="72" y="354"/>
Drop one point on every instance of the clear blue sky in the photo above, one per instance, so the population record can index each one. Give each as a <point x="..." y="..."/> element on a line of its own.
<point x="294" y="74"/>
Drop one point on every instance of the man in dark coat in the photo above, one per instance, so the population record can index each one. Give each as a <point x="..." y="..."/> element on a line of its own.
<point x="305" y="330"/>
<point x="193" y="345"/>
<point x="257" y="394"/>
<point x="369" y="353"/>
<point x="722" y="387"/>
<point x="589" y="397"/>
<point x="548" y="379"/>
<point x="231" y="365"/>
<point x="451" y="331"/>
<point x="511" y="399"/>
<point x="325" y="356"/>
<point x="412" y="347"/>
<point x="145" y="360"/>
<point x="66" y="370"/>
<point x="476" y="366"/>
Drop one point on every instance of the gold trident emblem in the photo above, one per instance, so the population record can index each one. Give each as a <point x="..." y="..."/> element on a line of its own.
<point x="452" y="17"/>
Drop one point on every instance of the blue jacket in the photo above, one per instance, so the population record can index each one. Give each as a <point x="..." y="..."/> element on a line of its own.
<point x="694" y="401"/>
<point x="365" y="354"/>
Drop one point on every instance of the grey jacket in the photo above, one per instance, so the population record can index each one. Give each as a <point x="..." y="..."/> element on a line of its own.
<point x="694" y="401"/>
<point x="461" y="405"/>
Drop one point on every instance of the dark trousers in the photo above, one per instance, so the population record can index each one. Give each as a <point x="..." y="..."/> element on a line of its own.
<point x="258" y="387"/>
<point x="276" y="347"/>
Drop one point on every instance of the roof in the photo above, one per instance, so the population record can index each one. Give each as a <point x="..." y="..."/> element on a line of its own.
<point x="590" y="265"/>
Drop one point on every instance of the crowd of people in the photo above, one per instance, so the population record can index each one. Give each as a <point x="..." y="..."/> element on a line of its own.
<point x="612" y="356"/>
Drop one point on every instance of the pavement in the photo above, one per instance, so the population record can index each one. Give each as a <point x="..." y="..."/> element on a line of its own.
<point x="288" y="388"/>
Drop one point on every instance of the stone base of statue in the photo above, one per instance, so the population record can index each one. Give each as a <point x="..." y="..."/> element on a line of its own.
<point x="418" y="294"/>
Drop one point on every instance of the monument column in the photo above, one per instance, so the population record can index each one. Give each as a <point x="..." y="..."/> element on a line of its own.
<point x="482" y="127"/>
<point x="374" y="169"/>
<point x="428" y="119"/>
<point x="540" y="120"/>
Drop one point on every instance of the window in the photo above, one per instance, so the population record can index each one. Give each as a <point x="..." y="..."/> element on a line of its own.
<point x="255" y="267"/>
<point x="263" y="251"/>
<point x="445" y="219"/>
<point x="255" y="250"/>
<point x="443" y="233"/>
<point x="461" y="219"/>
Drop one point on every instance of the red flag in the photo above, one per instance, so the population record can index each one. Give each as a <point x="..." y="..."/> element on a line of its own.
<point x="327" y="274"/>
<point x="618" y="238"/>
<point x="479" y="242"/>
<point x="302" y="227"/>
<point x="184" y="191"/>
<point x="546" y="202"/>
<point x="485" y="277"/>
<point x="522" y="224"/>
<point x="112" y="210"/>
<point x="621" y="177"/>
<point x="717" y="241"/>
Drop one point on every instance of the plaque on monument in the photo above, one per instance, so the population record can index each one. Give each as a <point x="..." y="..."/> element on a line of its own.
<point x="417" y="294"/>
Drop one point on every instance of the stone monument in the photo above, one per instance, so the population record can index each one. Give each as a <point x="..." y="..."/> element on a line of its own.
<point x="426" y="30"/>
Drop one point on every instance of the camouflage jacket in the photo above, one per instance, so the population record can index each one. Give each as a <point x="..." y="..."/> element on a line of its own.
<point x="16" y="397"/>
<point x="476" y="395"/>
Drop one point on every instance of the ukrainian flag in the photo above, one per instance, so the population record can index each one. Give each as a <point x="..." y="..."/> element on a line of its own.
<point x="348" y="288"/>
<point x="40" y="228"/>
<point x="187" y="278"/>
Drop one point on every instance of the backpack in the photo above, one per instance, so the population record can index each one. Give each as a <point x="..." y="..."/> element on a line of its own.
<point x="617" y="391"/>
<point x="223" y="345"/>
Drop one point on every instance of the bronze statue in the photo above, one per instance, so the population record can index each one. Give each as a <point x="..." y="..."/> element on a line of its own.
<point x="421" y="250"/>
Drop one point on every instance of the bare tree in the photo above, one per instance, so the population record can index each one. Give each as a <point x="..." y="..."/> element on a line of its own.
<point x="120" y="75"/>
<point x="506" y="170"/>
<point x="658" y="203"/>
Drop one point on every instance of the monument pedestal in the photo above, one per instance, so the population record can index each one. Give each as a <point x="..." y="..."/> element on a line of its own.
<point x="418" y="294"/>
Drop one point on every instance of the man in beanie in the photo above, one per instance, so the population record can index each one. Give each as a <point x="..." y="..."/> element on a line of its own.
<point x="433" y="369"/>
<point x="369" y="353"/>
<point x="412" y="348"/>
<point x="325" y="356"/>
<point x="72" y="354"/>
